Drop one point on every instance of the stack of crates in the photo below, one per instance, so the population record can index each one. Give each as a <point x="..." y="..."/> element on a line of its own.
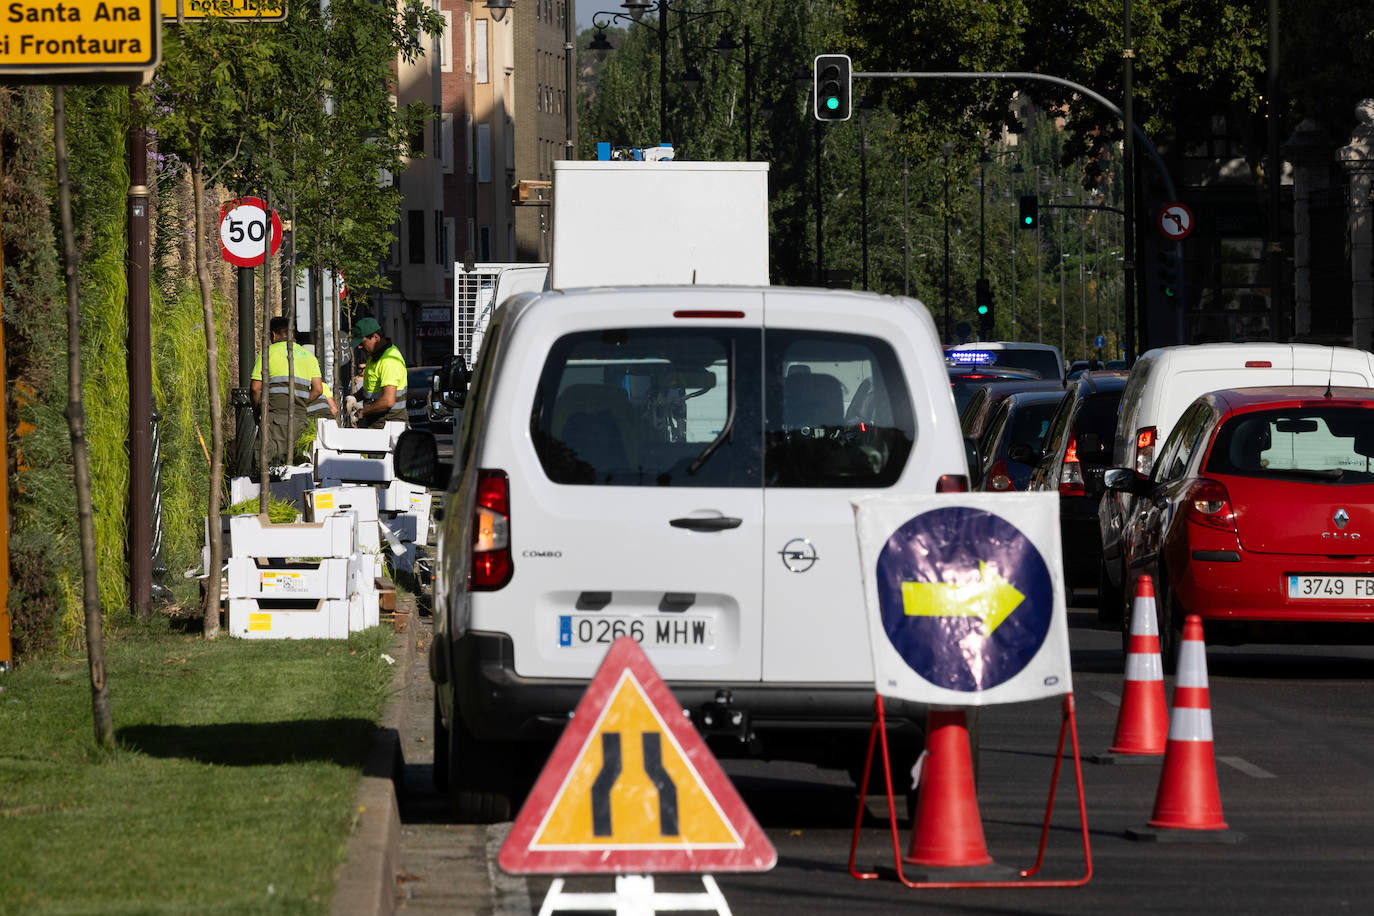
<point x="405" y="521"/>
<point x="296" y="581"/>
<point x="359" y="503"/>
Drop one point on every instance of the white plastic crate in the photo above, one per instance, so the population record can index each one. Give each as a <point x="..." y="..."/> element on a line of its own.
<point x="251" y="618"/>
<point x="352" y="467"/>
<point x="364" y="610"/>
<point x="399" y="496"/>
<point x="291" y="488"/>
<point x="254" y="536"/>
<point x="323" y="502"/>
<point x="329" y="578"/>
<point x="407" y="527"/>
<point x="330" y="435"/>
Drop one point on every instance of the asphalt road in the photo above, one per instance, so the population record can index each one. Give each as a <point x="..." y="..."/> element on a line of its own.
<point x="1294" y="744"/>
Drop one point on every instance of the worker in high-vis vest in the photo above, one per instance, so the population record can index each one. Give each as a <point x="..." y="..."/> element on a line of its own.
<point x="288" y="394"/>
<point x="382" y="397"/>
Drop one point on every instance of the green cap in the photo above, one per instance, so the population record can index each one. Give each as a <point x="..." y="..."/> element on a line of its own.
<point x="365" y="327"/>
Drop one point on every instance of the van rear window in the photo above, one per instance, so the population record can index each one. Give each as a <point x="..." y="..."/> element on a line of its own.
<point x="728" y="407"/>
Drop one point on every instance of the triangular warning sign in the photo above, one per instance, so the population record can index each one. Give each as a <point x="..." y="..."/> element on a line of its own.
<point x="631" y="788"/>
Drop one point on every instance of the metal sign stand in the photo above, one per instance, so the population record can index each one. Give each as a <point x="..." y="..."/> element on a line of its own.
<point x="878" y="735"/>
<point x="634" y="895"/>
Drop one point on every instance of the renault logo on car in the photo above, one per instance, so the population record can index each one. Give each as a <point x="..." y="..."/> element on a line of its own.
<point x="798" y="555"/>
<point x="1341" y="518"/>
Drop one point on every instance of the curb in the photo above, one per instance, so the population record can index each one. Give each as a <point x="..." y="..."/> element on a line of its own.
<point x="366" y="882"/>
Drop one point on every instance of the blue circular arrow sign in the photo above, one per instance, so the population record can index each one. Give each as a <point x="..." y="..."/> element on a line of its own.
<point x="966" y="598"/>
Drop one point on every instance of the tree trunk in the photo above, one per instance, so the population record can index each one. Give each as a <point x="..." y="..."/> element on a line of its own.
<point x="90" y="586"/>
<point x="213" y="570"/>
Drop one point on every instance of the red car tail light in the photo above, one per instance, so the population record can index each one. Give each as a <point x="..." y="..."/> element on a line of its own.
<point x="491" y="565"/>
<point x="1071" y="473"/>
<point x="999" y="479"/>
<point x="951" y="483"/>
<point x="1144" y="449"/>
<point x="1208" y="503"/>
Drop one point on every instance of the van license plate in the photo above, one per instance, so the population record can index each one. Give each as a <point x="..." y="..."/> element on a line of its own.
<point x="599" y="630"/>
<point x="1328" y="588"/>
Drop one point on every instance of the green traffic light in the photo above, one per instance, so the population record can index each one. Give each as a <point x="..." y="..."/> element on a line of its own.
<point x="832" y="103"/>
<point x="1027" y="220"/>
<point x="982" y="310"/>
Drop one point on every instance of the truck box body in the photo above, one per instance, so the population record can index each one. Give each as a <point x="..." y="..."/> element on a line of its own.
<point x="624" y="223"/>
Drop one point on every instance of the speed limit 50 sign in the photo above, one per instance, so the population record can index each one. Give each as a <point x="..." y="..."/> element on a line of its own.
<point x="242" y="225"/>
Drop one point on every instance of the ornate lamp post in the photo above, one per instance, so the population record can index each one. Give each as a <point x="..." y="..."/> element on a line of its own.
<point x="633" y="15"/>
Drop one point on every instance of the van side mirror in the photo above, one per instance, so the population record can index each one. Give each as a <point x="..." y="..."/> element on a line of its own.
<point x="416" y="460"/>
<point x="1023" y="454"/>
<point x="454" y="377"/>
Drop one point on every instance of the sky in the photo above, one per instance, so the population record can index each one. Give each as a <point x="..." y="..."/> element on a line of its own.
<point x="586" y="9"/>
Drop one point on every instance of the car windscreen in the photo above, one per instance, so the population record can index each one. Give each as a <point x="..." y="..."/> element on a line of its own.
<point x="1042" y="361"/>
<point x="1095" y="427"/>
<point x="1031" y="421"/>
<point x="1323" y="444"/>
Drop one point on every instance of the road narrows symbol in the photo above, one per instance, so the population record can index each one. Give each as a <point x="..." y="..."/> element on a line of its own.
<point x="667" y="789"/>
<point x="605" y="781"/>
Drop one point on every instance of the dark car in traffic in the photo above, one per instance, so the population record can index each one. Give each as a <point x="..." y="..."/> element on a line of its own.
<point x="1258" y="515"/>
<point x="1076" y="451"/>
<point x="964" y="380"/>
<point x="1011" y="440"/>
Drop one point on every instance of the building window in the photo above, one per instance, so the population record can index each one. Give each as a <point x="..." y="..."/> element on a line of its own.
<point x="446" y="43"/>
<point x="483" y="71"/>
<point x="470" y="144"/>
<point x="484" y="152"/>
<point x="484" y="249"/>
<point x="446" y="142"/>
<point x="440" y="243"/>
<point x="450" y="242"/>
<point x="415" y="242"/>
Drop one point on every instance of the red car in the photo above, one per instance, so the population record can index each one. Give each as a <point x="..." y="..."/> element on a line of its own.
<point x="1259" y="516"/>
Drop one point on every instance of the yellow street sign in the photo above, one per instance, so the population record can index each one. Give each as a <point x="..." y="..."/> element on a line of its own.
<point x="632" y="786"/>
<point x="76" y="40"/>
<point x="991" y="599"/>
<point x="233" y="10"/>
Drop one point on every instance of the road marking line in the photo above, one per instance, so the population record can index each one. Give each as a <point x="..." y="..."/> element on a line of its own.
<point x="1246" y="767"/>
<point x="510" y="894"/>
<point x="1110" y="699"/>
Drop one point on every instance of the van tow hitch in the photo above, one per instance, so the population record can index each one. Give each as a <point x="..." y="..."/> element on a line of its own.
<point x="721" y="717"/>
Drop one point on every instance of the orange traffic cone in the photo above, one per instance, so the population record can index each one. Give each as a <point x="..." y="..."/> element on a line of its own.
<point x="1142" y="724"/>
<point x="947" y="830"/>
<point x="1188" y="796"/>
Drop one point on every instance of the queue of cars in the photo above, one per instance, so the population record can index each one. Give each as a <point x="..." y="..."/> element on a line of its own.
<point x="683" y="471"/>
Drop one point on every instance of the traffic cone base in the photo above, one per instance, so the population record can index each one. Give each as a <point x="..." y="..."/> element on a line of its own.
<point x="947" y="831"/>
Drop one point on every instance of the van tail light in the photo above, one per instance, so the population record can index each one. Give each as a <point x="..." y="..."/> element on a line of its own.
<point x="999" y="479"/>
<point x="1144" y="449"/>
<point x="952" y="483"/>
<point x="1207" y="503"/>
<point x="491" y="565"/>
<point x="1071" y="473"/>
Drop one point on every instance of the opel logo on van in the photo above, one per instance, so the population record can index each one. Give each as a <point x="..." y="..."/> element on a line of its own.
<point x="798" y="555"/>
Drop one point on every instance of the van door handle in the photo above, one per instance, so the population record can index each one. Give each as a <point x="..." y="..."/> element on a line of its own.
<point x="712" y="523"/>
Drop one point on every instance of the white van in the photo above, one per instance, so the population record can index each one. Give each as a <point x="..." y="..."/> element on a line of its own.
<point x="676" y="464"/>
<point x="1164" y="381"/>
<point x="1039" y="357"/>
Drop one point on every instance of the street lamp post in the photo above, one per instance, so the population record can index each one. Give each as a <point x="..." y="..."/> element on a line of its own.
<point x="947" y="149"/>
<point x="634" y="12"/>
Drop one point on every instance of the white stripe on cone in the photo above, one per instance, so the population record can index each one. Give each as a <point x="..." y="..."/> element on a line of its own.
<point x="1144" y="667"/>
<point x="1190" y="725"/>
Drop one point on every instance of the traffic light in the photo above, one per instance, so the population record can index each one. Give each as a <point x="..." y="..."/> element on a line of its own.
<point x="983" y="301"/>
<point x="1166" y="275"/>
<point x="1030" y="211"/>
<point x="833" y="87"/>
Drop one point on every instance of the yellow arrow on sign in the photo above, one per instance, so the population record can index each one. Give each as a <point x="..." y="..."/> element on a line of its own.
<point x="992" y="599"/>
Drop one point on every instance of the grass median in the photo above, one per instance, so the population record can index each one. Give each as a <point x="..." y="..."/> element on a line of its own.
<point x="230" y="789"/>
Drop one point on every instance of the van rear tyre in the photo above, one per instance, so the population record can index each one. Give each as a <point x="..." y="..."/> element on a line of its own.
<point x="480" y="786"/>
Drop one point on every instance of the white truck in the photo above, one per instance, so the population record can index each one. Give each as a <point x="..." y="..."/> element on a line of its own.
<point x="630" y="223"/>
